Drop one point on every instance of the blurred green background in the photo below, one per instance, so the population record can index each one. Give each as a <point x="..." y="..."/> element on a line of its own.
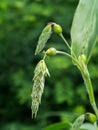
<point x="21" y="22"/>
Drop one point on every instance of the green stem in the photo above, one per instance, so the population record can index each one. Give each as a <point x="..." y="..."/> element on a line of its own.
<point x="44" y="56"/>
<point x="64" y="53"/>
<point x="65" y="41"/>
<point x="85" y="74"/>
<point x="63" y="38"/>
<point x="73" y="58"/>
<point x="88" y="83"/>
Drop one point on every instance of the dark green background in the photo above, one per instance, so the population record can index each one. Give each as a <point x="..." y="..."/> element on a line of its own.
<point x="21" y="22"/>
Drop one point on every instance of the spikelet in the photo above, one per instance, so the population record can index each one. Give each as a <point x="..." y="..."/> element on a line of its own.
<point x="38" y="87"/>
<point x="45" y="35"/>
<point x="78" y="122"/>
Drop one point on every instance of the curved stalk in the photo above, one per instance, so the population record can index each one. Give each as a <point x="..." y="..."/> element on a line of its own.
<point x="65" y="41"/>
<point x="86" y="77"/>
<point x="73" y="58"/>
<point x="88" y="83"/>
<point x="63" y="38"/>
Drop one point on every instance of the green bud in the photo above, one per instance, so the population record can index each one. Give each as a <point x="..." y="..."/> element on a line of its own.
<point x="51" y="51"/>
<point x="91" y="117"/>
<point x="83" y="58"/>
<point x="57" y="28"/>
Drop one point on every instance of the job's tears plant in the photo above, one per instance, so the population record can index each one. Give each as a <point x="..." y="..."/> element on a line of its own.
<point x="84" y="34"/>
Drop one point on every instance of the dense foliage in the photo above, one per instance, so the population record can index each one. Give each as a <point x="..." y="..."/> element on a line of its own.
<point x="21" y="22"/>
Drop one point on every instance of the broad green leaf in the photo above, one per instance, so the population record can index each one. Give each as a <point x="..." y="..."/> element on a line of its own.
<point x="45" y="35"/>
<point x="84" y="31"/>
<point x="59" y="126"/>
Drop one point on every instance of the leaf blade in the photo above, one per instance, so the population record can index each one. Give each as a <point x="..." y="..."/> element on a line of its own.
<point x="84" y="30"/>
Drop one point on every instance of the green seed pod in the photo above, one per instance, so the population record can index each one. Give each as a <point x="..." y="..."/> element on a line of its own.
<point x="83" y="58"/>
<point x="51" y="51"/>
<point x="57" y="28"/>
<point x="91" y="117"/>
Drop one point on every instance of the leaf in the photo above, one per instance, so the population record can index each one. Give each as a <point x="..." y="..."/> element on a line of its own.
<point x="84" y="31"/>
<point x="45" y="35"/>
<point x="87" y="126"/>
<point x="58" y="126"/>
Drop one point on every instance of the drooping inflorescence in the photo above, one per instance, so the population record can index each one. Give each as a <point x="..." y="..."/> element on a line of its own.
<point x="39" y="79"/>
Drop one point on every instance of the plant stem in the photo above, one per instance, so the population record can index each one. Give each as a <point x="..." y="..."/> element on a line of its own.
<point x="85" y="74"/>
<point x="44" y="56"/>
<point x="63" y="38"/>
<point x="64" y="53"/>
<point x="88" y="83"/>
<point x="73" y="58"/>
<point x="65" y="41"/>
